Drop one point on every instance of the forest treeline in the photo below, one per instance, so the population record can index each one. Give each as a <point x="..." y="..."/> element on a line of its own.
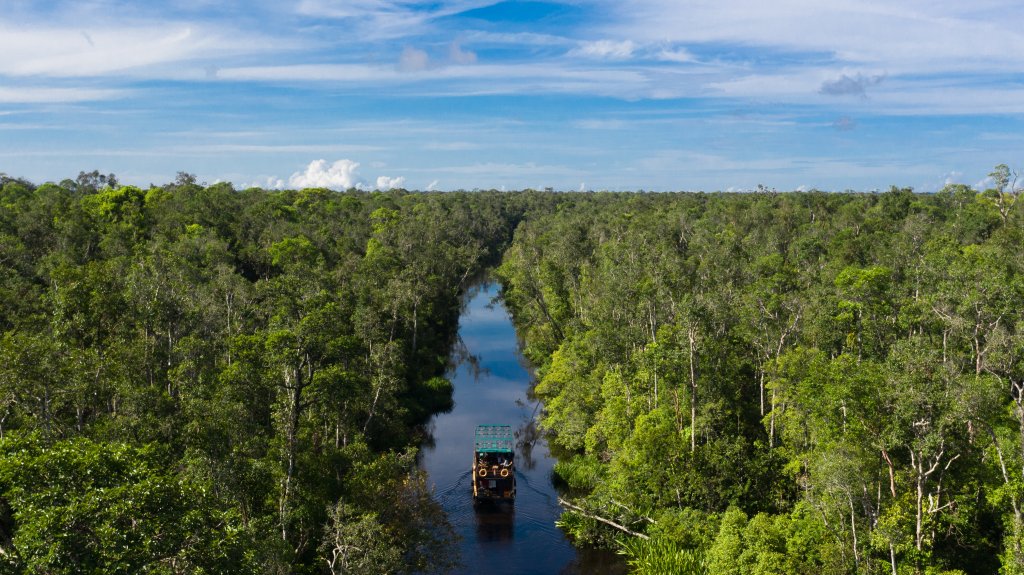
<point x="202" y="379"/>
<point x="800" y="383"/>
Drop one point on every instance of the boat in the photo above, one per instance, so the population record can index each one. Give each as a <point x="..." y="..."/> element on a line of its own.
<point x="494" y="470"/>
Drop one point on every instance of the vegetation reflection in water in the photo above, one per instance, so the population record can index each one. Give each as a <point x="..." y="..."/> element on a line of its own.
<point x="492" y="385"/>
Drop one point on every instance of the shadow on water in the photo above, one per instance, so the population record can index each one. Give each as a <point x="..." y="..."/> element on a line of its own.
<point x="495" y="522"/>
<point x="492" y="386"/>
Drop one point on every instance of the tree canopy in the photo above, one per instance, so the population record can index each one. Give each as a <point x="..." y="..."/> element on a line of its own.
<point x="783" y="382"/>
<point x="195" y="378"/>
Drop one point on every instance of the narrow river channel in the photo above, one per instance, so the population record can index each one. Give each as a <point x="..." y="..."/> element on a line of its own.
<point x="491" y="386"/>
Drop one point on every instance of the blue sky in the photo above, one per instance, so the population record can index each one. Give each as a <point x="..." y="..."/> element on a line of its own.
<point x="463" y="94"/>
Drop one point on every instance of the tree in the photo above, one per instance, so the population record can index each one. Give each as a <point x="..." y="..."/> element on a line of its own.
<point x="1004" y="186"/>
<point x="78" y="506"/>
<point x="91" y="182"/>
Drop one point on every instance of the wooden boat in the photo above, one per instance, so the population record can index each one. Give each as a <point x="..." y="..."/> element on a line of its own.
<point x="494" y="470"/>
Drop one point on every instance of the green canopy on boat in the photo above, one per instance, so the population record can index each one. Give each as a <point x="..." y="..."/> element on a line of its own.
<point x="494" y="439"/>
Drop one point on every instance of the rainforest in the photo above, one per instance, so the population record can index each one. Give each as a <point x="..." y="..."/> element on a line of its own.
<point x="202" y="379"/>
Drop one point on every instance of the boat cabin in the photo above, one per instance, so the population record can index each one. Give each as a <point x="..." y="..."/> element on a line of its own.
<point x="494" y="477"/>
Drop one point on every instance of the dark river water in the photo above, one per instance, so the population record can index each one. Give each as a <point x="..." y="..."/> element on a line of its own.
<point x="491" y="387"/>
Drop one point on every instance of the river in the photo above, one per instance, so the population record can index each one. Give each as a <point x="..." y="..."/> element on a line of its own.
<point x="492" y="383"/>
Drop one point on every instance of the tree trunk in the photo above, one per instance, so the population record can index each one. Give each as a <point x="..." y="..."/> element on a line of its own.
<point x="294" y="384"/>
<point x="373" y="407"/>
<point x="853" y="530"/>
<point x="918" y="511"/>
<point x="892" y="473"/>
<point x="693" y="392"/>
<point x="582" y="512"/>
<point x="760" y="384"/>
<point x="415" y="325"/>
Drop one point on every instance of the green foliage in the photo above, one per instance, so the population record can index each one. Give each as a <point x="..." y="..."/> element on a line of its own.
<point x="78" y="506"/>
<point x="764" y="383"/>
<point x="724" y="554"/>
<point x="579" y="472"/>
<point x="843" y="369"/>
<point x="432" y="396"/>
<point x="659" y="556"/>
<point x="248" y="334"/>
<point x="291" y="252"/>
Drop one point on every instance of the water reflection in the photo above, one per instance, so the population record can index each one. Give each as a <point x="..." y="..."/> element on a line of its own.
<point x="461" y="357"/>
<point x="495" y="522"/>
<point x="526" y="437"/>
<point x="492" y="386"/>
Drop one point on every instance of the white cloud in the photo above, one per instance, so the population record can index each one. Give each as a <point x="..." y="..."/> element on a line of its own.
<point x="909" y="37"/>
<point x="679" y="55"/>
<point x="227" y="148"/>
<point x="605" y="49"/>
<point x="265" y="182"/>
<point x="310" y="72"/>
<point x="413" y="60"/>
<point x="601" y="124"/>
<point x="37" y="95"/>
<point x="932" y="185"/>
<point x="115" y="48"/>
<point x="459" y="56"/>
<point x="386" y="183"/>
<point x="517" y="38"/>
<point x="383" y="19"/>
<point x="341" y="175"/>
<point x="789" y="50"/>
<point x="547" y="77"/>
<point x="432" y="186"/>
<point x="373" y="19"/>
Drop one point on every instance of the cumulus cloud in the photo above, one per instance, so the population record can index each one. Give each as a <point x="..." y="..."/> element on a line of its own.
<point x="340" y="175"/>
<point x="847" y="85"/>
<point x="386" y="183"/>
<point x="413" y="60"/>
<point x="950" y="178"/>
<point x="459" y="56"/>
<point x="605" y="49"/>
<point x="268" y="183"/>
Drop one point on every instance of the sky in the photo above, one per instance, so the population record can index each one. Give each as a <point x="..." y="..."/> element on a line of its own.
<point x="475" y="94"/>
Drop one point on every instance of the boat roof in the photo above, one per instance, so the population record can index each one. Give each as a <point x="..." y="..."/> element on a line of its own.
<point x="494" y="439"/>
